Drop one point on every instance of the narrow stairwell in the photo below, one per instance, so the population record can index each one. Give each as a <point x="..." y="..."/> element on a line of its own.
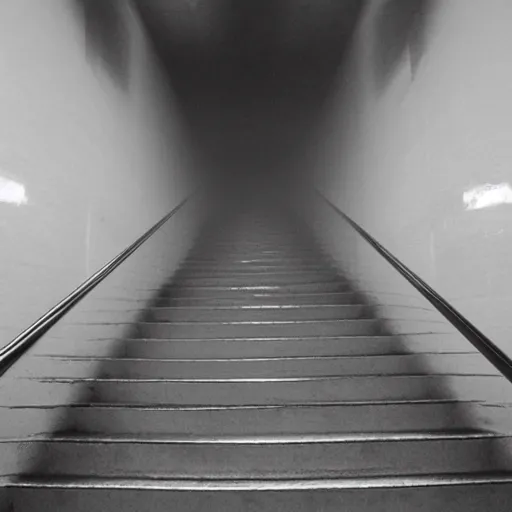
<point x="259" y="380"/>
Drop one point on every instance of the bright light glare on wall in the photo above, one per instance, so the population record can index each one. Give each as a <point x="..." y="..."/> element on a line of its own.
<point x="12" y="192"/>
<point x="487" y="195"/>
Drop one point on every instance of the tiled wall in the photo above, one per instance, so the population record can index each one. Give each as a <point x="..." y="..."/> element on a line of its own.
<point x="91" y="156"/>
<point x="419" y="152"/>
<point x="90" y="147"/>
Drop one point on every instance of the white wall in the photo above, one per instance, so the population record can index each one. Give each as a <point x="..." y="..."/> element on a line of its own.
<point x="99" y="155"/>
<point x="91" y="156"/>
<point x="422" y="114"/>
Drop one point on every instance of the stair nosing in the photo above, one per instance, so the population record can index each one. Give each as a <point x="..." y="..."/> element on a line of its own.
<point x="298" y="405"/>
<point x="250" y="359"/>
<point x="257" y="287"/>
<point x="245" y="322"/>
<point x="264" y="440"/>
<point x="255" y="380"/>
<point x="253" y="307"/>
<point x="341" y="338"/>
<point x="283" y="295"/>
<point x="259" y="485"/>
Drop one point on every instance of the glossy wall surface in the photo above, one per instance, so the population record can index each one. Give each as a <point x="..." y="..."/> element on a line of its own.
<point x="418" y="148"/>
<point x="91" y="154"/>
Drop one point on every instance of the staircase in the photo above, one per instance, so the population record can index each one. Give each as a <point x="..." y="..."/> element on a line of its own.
<point x="259" y="380"/>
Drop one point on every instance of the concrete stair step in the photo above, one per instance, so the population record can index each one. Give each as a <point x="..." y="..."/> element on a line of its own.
<point x="316" y="346"/>
<point x="249" y="273"/>
<point x="278" y="391"/>
<point x="254" y="260"/>
<point x="284" y="312"/>
<point x="316" y="298"/>
<point x="223" y="280"/>
<point x="240" y="291"/>
<point x="256" y="267"/>
<point x="300" y="456"/>
<point x="391" y="416"/>
<point x="206" y="330"/>
<point x="111" y="367"/>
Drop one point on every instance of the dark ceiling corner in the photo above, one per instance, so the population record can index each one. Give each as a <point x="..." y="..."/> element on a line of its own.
<point x="107" y="36"/>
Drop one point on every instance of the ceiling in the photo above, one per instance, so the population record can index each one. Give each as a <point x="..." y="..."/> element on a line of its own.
<point x="250" y="75"/>
<point x="224" y="36"/>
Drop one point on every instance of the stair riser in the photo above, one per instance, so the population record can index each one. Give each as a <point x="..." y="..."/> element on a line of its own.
<point x="342" y="298"/>
<point x="267" y="242"/>
<point x="256" y="393"/>
<point x="311" y="460"/>
<point x="211" y="330"/>
<point x="301" y="278"/>
<point x="346" y="312"/>
<point x="464" y="498"/>
<point x="277" y="248"/>
<point x="252" y="234"/>
<point x="284" y="392"/>
<point x="272" y="368"/>
<point x="250" y="273"/>
<point x="279" y="421"/>
<point x="256" y="290"/>
<point x="276" y="393"/>
<point x="24" y="422"/>
<point x="293" y="347"/>
<point x="251" y="269"/>
<point x="252" y="261"/>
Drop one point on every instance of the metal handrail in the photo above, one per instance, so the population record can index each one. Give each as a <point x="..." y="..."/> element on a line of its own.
<point x="476" y="337"/>
<point x="19" y="345"/>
